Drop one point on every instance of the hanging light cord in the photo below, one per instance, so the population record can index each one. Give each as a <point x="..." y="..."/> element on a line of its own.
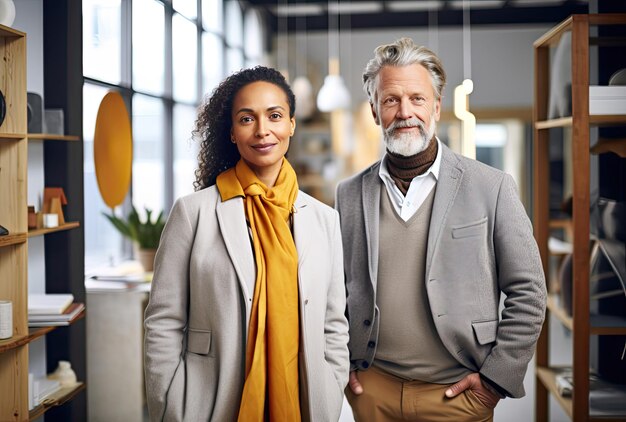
<point x="467" y="41"/>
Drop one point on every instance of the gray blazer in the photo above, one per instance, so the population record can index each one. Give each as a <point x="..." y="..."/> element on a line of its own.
<point x="480" y="244"/>
<point x="197" y="319"/>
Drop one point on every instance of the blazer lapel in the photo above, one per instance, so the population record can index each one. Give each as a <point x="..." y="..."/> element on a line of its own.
<point x="232" y="221"/>
<point x="371" y="210"/>
<point x="450" y="175"/>
<point x="302" y="235"/>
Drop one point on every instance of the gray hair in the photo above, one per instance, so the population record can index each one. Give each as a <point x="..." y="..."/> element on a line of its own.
<point x="403" y="52"/>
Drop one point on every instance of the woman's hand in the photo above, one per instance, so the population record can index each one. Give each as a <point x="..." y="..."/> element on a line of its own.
<point x="354" y="383"/>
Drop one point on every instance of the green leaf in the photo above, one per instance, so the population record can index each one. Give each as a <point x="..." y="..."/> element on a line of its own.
<point x="146" y="233"/>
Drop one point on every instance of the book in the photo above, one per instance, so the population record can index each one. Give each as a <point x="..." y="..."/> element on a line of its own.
<point x="52" y="303"/>
<point x="67" y="316"/>
<point x="42" y="388"/>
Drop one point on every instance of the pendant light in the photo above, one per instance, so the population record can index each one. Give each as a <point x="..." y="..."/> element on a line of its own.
<point x="461" y="92"/>
<point x="302" y="88"/>
<point x="334" y="94"/>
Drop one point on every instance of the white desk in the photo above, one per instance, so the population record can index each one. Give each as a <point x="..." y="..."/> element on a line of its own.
<point x="115" y="350"/>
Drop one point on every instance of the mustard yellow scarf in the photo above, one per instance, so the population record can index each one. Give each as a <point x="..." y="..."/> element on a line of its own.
<point x="271" y="390"/>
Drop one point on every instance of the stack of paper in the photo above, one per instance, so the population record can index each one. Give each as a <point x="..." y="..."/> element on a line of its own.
<point x="48" y="320"/>
<point x="42" y="388"/>
<point x="51" y="303"/>
<point x="46" y="310"/>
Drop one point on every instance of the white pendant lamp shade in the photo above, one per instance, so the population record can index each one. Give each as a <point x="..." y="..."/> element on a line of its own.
<point x="333" y="95"/>
<point x="305" y="102"/>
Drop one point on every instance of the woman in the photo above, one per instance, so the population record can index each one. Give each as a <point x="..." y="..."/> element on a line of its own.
<point x="246" y="314"/>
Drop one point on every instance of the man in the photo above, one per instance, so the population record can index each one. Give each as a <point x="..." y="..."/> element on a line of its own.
<point x="431" y="240"/>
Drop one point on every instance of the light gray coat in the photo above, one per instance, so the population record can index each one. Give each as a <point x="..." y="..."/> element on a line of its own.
<point x="197" y="319"/>
<point x="480" y="244"/>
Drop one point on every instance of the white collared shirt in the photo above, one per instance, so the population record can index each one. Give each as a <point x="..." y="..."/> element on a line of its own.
<point x="420" y="187"/>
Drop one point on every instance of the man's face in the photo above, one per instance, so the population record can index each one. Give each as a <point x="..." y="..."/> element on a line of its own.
<point x="406" y="108"/>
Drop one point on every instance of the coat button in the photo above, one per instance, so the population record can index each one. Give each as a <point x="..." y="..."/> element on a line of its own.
<point x="306" y="301"/>
<point x="365" y="365"/>
<point x="367" y="322"/>
<point x="371" y="344"/>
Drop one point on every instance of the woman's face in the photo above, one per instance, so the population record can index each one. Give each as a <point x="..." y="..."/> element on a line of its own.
<point x="261" y="128"/>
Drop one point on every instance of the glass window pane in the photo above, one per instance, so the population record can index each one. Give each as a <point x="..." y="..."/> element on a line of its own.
<point x="212" y="61"/>
<point x="212" y="15"/>
<point x="148" y="141"/>
<point x="148" y="46"/>
<point x="185" y="150"/>
<point x="185" y="59"/>
<point x="253" y="37"/>
<point x="103" y="244"/>
<point x="234" y="27"/>
<point x="102" y="40"/>
<point x="188" y="8"/>
<point x="234" y="60"/>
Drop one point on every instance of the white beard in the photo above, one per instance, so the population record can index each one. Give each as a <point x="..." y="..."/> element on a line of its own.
<point x="407" y="144"/>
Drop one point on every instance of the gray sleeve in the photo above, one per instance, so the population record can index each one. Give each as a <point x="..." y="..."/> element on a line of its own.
<point x="521" y="279"/>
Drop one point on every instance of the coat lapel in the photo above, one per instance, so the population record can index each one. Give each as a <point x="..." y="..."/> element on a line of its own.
<point x="450" y="175"/>
<point x="302" y="237"/>
<point x="232" y="221"/>
<point x="371" y="210"/>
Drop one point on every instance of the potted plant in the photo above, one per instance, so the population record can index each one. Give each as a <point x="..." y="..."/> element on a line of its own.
<point x="145" y="234"/>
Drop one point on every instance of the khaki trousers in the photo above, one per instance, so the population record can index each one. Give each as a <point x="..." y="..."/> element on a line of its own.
<point x="388" y="398"/>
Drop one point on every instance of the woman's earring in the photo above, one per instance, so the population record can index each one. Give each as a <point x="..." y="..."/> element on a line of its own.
<point x="233" y="140"/>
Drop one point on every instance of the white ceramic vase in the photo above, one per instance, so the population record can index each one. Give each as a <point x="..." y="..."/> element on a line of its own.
<point x="64" y="374"/>
<point x="7" y="12"/>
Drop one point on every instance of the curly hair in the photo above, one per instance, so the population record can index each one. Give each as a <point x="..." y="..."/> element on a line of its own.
<point x="214" y="122"/>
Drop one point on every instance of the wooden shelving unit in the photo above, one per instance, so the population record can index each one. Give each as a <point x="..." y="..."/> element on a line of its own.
<point x="581" y="324"/>
<point x="67" y="226"/>
<point x="14" y="365"/>
<point x="51" y="137"/>
<point x="13" y="213"/>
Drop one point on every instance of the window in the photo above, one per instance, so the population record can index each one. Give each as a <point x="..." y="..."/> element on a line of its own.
<point x="162" y="56"/>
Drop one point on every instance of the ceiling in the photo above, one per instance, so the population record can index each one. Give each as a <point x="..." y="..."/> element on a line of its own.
<point x="299" y="15"/>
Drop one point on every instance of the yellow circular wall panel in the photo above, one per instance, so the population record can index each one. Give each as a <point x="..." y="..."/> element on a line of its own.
<point x="113" y="149"/>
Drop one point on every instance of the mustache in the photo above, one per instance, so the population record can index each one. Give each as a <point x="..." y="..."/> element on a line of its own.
<point x="412" y="122"/>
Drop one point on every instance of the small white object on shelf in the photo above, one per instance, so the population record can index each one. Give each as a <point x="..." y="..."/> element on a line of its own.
<point x="50" y="221"/>
<point x="6" y="319"/>
<point x="607" y="100"/>
<point x="64" y="374"/>
<point x="31" y="391"/>
<point x="559" y="247"/>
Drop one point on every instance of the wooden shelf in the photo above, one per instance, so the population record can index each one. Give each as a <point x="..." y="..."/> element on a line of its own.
<point x="33" y="334"/>
<point x="547" y="376"/>
<point x="594" y="120"/>
<point x="67" y="226"/>
<point x="58" y="398"/>
<point x="583" y="323"/>
<point x="5" y="31"/>
<point x="11" y="136"/>
<point x="605" y="325"/>
<point x="13" y="239"/>
<point x="51" y="137"/>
